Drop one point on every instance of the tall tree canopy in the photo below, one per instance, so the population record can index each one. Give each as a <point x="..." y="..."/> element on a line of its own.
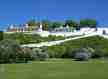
<point x="1" y="35"/>
<point x="32" y="22"/>
<point x="56" y="25"/>
<point x="71" y="23"/>
<point x="88" y="23"/>
<point x="46" y="24"/>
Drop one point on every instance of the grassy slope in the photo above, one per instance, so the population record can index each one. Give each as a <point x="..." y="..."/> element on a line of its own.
<point x="60" y="69"/>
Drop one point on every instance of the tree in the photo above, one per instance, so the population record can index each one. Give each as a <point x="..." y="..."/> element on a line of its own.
<point x="71" y="23"/>
<point x="33" y="25"/>
<point x="56" y="51"/>
<point x="56" y="25"/>
<point x="27" y="53"/>
<point x="39" y="54"/>
<point x="83" y="54"/>
<point x="1" y="35"/>
<point x="88" y="22"/>
<point x="10" y="50"/>
<point x="46" y="24"/>
<point x="32" y="22"/>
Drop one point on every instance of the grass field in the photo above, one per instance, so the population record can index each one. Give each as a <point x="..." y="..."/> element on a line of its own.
<point x="56" y="69"/>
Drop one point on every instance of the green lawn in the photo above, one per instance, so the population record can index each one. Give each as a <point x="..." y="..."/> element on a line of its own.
<point x="56" y="69"/>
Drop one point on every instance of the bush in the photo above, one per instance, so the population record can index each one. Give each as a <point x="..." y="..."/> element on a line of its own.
<point x="38" y="54"/>
<point x="27" y="53"/>
<point x="83" y="54"/>
<point x="10" y="51"/>
<point x="99" y="53"/>
<point x="23" y="38"/>
<point x="70" y="51"/>
<point x="56" y="51"/>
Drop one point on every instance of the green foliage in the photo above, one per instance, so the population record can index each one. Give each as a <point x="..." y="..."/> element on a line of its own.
<point x="23" y="38"/>
<point x="46" y="24"/>
<point x="55" y="38"/>
<point x="1" y="35"/>
<point x="27" y="53"/>
<point x="83" y="54"/>
<point x="101" y="52"/>
<point x="31" y="38"/>
<point x="10" y="51"/>
<point x="97" y="46"/>
<point x="88" y="22"/>
<point x="32" y="22"/>
<point x="71" y="23"/>
<point x="95" y="43"/>
<point x="70" y="50"/>
<point x="56" y="25"/>
<point x="56" y="51"/>
<point x="38" y="54"/>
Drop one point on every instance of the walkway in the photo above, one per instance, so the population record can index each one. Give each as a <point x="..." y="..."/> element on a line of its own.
<point x="61" y="41"/>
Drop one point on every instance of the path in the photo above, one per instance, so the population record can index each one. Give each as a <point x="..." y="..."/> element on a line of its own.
<point x="61" y="41"/>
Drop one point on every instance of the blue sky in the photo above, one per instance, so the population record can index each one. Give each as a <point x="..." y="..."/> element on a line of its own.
<point x="20" y="11"/>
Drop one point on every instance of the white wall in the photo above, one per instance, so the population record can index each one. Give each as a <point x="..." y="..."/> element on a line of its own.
<point x="100" y="30"/>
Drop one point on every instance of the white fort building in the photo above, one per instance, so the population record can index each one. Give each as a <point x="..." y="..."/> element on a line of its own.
<point x="61" y="31"/>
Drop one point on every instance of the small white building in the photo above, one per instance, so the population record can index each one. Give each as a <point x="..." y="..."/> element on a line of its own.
<point x="63" y="29"/>
<point x="99" y="30"/>
<point x="22" y="28"/>
<point x="102" y="29"/>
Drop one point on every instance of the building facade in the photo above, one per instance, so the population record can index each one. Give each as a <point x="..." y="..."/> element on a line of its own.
<point x="24" y="28"/>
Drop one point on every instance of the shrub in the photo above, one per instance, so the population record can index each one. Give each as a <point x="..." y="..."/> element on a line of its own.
<point x="69" y="52"/>
<point x="56" y="51"/>
<point x="82" y="54"/>
<point x="27" y="53"/>
<point x="38" y="54"/>
<point x="99" y="53"/>
<point x="10" y="50"/>
<point x="24" y="38"/>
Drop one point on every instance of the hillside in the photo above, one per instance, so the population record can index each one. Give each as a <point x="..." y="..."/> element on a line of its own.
<point x="99" y="44"/>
